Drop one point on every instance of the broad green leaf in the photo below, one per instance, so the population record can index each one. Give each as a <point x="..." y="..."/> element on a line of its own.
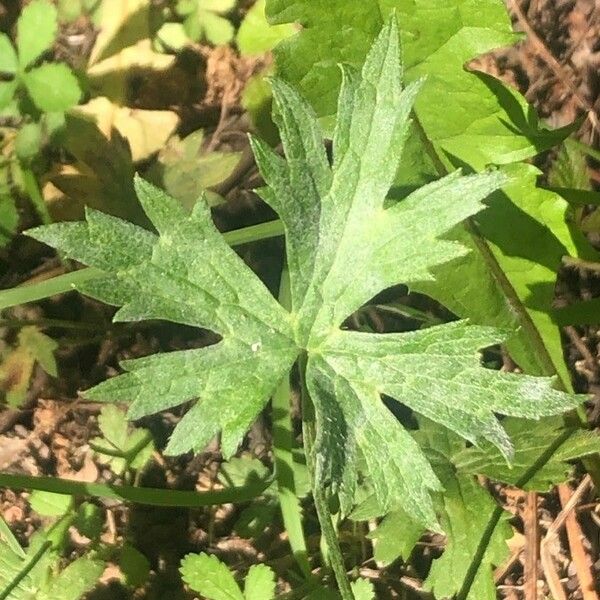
<point x="52" y="87"/>
<point x="259" y="583"/>
<point x="530" y="441"/>
<point x="120" y="447"/>
<point x="208" y="576"/>
<point x="473" y="117"/>
<point x="36" y="31"/>
<point x="29" y="141"/>
<point x="48" y="504"/>
<point x="529" y="252"/>
<point x="256" y="36"/>
<point x="465" y="510"/>
<point x="172" y="37"/>
<point x="337" y="225"/>
<point x="9" y="62"/>
<point x="467" y="118"/>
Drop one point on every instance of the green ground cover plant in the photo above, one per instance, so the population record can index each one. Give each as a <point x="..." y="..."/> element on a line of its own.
<point x="389" y="164"/>
<point x="334" y="216"/>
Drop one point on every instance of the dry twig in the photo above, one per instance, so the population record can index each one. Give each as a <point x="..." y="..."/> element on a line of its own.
<point x="580" y="557"/>
<point x="530" y="519"/>
<point x="552" y="578"/>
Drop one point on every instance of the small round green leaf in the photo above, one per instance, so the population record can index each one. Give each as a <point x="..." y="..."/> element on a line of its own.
<point x="89" y="520"/>
<point x="36" y="31"/>
<point x="172" y="36"/>
<point x="53" y="87"/>
<point x="134" y="566"/>
<point x="28" y="141"/>
<point x="217" y="30"/>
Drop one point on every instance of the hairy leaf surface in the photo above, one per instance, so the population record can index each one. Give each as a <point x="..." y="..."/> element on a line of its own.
<point x="344" y="245"/>
<point x="467" y="118"/>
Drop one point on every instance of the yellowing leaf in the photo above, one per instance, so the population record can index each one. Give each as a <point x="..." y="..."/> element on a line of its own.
<point x="100" y="177"/>
<point x="112" y="76"/>
<point x="122" y="23"/>
<point x="147" y="131"/>
<point x="18" y="363"/>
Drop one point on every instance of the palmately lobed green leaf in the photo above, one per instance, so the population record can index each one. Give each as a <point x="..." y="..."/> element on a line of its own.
<point x="344" y="245"/>
<point x="187" y="274"/>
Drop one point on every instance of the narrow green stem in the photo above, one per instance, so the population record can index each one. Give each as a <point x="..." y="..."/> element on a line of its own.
<point x="130" y="455"/>
<point x="336" y="559"/>
<point x="31" y="292"/>
<point x="496" y="515"/>
<point x="254" y="233"/>
<point x="33" y="190"/>
<point x="69" y="281"/>
<point x="283" y="444"/>
<point x="139" y="495"/>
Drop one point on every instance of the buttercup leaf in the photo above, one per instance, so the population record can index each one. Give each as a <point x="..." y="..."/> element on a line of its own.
<point x="337" y="226"/>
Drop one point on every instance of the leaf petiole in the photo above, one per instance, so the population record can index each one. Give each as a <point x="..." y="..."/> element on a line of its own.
<point x="334" y="552"/>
